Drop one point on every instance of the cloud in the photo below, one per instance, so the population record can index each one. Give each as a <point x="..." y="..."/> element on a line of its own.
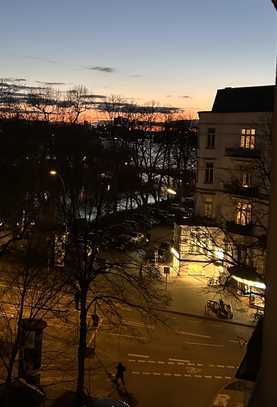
<point x="51" y="83"/>
<point x="106" y="69"/>
<point x="124" y="107"/>
<point x="135" y="75"/>
<point x="49" y="61"/>
<point x="185" y="97"/>
<point x="14" y="79"/>
<point x="94" y="96"/>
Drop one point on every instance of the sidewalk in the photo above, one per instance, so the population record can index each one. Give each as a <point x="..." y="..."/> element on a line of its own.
<point x="189" y="295"/>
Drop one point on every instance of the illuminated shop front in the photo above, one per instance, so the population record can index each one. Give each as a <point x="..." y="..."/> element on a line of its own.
<point x="249" y="283"/>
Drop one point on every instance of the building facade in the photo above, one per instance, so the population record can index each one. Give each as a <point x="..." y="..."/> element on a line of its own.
<point x="233" y="186"/>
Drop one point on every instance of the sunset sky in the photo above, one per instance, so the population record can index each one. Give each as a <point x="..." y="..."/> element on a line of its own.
<point x="175" y="52"/>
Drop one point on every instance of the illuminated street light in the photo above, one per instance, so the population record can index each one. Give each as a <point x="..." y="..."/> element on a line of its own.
<point x="57" y="174"/>
<point x="171" y="191"/>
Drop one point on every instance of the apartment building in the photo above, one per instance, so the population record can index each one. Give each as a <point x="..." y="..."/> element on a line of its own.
<point x="233" y="186"/>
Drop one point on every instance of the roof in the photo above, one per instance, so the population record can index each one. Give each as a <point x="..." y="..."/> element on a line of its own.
<point x="245" y="272"/>
<point x="247" y="99"/>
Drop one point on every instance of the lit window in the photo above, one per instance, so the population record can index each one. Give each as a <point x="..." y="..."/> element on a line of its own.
<point x="243" y="213"/>
<point x="211" y="138"/>
<point x="248" y="139"/>
<point x="209" y="173"/>
<point x="208" y="208"/>
<point x="246" y="180"/>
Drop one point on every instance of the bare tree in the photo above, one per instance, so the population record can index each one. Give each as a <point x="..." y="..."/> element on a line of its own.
<point x="30" y="293"/>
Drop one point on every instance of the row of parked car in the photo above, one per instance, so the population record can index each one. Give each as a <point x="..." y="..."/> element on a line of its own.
<point x="132" y="229"/>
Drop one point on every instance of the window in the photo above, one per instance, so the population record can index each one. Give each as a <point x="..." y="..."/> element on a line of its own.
<point x="243" y="213"/>
<point x="208" y="208"/>
<point x="248" y="139"/>
<point x="209" y="173"/>
<point x="246" y="180"/>
<point x="194" y="247"/>
<point x="211" y="138"/>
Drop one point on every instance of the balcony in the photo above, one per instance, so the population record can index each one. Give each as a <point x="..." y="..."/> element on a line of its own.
<point x="238" y="152"/>
<point x="235" y="188"/>
<point x="247" y="230"/>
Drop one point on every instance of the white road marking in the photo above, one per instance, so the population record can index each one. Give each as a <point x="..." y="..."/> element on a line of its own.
<point x="127" y="336"/>
<point x="137" y="324"/>
<point x="138" y="356"/>
<point x="204" y="344"/>
<point x="230" y="367"/>
<point x="222" y="366"/>
<point x="150" y="361"/>
<point x="193" y="334"/>
<point x="200" y="364"/>
<point x="160" y="362"/>
<point x="211" y="365"/>
<point x="180" y="363"/>
<point x="197" y="376"/>
<point x="170" y="363"/>
<point x="131" y="360"/>
<point x="233" y="341"/>
<point x="142" y="361"/>
<point x="178" y="360"/>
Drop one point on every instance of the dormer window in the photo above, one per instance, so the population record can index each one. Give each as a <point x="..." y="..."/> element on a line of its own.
<point x="248" y="139"/>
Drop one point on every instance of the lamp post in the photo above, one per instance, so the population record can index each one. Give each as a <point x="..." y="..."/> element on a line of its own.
<point x="55" y="173"/>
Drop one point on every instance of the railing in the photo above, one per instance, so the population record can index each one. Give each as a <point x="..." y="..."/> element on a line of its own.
<point x="242" y="152"/>
<point x="240" y="229"/>
<point x="237" y="189"/>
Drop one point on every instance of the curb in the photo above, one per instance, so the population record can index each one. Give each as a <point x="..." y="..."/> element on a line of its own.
<point x="187" y="314"/>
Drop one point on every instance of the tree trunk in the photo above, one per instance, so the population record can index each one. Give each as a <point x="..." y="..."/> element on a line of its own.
<point x="82" y="342"/>
<point x="17" y="342"/>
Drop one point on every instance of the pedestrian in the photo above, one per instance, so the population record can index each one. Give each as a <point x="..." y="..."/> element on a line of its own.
<point x="120" y="369"/>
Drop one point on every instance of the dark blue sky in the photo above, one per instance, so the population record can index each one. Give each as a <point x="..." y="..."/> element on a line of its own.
<point x="153" y="49"/>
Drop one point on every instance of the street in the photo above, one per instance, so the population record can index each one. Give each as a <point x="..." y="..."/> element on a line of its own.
<point x="182" y="361"/>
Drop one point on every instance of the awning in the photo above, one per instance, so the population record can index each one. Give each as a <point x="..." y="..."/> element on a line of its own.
<point x="247" y="275"/>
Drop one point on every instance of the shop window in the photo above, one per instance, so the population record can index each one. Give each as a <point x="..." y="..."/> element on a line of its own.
<point x="211" y="138"/>
<point x="209" y="173"/>
<point x="194" y="247"/>
<point x="248" y="139"/>
<point x="243" y="213"/>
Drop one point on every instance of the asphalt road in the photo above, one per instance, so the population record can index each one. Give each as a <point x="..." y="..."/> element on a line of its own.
<point x="181" y="364"/>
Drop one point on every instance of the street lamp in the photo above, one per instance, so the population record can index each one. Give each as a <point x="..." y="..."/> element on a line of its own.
<point x="171" y="191"/>
<point x="55" y="173"/>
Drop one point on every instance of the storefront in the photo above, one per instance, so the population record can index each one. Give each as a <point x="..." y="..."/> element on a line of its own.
<point x="249" y="283"/>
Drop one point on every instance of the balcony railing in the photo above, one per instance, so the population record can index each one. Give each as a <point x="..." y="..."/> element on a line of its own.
<point x="242" y="152"/>
<point x="236" y="189"/>
<point x="233" y="227"/>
